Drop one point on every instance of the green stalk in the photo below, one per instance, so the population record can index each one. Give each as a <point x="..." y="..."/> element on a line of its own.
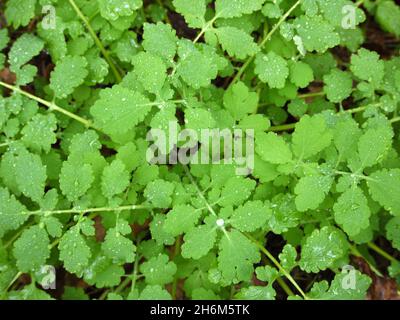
<point x="176" y="252"/>
<point x="97" y="41"/>
<point x="311" y="95"/>
<point x="209" y="207"/>
<point x="382" y="252"/>
<point x="357" y="253"/>
<point x="104" y="209"/>
<point x="278" y="265"/>
<point x="264" y="41"/>
<point x="52" y="106"/>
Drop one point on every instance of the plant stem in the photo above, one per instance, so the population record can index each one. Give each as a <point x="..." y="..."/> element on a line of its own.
<point x="5" y="144"/>
<point x="284" y="286"/>
<point x="264" y="41"/>
<point x="49" y="105"/>
<point x="176" y="252"/>
<point x="311" y="95"/>
<point x="199" y="191"/>
<point x="104" y="209"/>
<point x="357" y="253"/>
<point x="291" y="126"/>
<point x="283" y="127"/>
<point x="205" y="28"/>
<point x="278" y="265"/>
<point x="97" y="41"/>
<point x="396" y="119"/>
<point x="13" y="280"/>
<point x="381" y="252"/>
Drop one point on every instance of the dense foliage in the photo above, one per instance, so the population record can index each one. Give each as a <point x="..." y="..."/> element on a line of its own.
<point x="84" y="81"/>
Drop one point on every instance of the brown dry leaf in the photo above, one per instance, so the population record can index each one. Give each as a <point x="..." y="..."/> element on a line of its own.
<point x="7" y="76"/>
<point x="382" y="288"/>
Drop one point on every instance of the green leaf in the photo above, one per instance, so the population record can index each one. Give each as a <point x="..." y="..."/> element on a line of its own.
<point x="199" y="119"/>
<point x="155" y="292"/>
<point x="366" y="65"/>
<point x="256" y="293"/>
<point x="11" y="212"/>
<point x="237" y="254"/>
<point x="351" y="211"/>
<point x="373" y="145"/>
<point x="236" y="42"/>
<point x="198" y="241"/>
<point x="159" y="192"/>
<point x="301" y="74"/>
<point x="115" y="179"/>
<point x="388" y="17"/>
<point x="118" y="248"/>
<point x="113" y="10"/>
<point x="32" y="249"/>
<point x="181" y="219"/>
<point x="157" y="231"/>
<point x="119" y="110"/>
<point x="23" y="50"/>
<point x="338" y="85"/>
<point x="20" y="12"/>
<point x="236" y="8"/>
<point x="193" y="11"/>
<point x="236" y="191"/>
<point x="272" y="69"/>
<point x="311" y="136"/>
<point x="250" y="216"/>
<point x="150" y="71"/>
<point x="384" y="187"/>
<point x="74" y="251"/>
<point x="311" y="191"/>
<point x="322" y="248"/>
<point x="393" y="231"/>
<point x="68" y="74"/>
<point x="30" y="175"/>
<point x="347" y="286"/>
<point x="160" y="39"/>
<point x="158" y="270"/>
<point x="53" y="226"/>
<point x="239" y="100"/>
<point x="288" y="257"/>
<point x="196" y="68"/>
<point x="75" y="179"/>
<point x="316" y="33"/>
<point x="38" y="134"/>
<point x="273" y="148"/>
<point x="345" y="137"/>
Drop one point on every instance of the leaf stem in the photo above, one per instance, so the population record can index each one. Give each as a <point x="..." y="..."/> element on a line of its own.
<point x="284" y="286"/>
<point x="205" y="28"/>
<point x="278" y="265"/>
<point x="291" y="126"/>
<point x="104" y="209"/>
<point x="396" y="119"/>
<point x="357" y="253"/>
<point x="264" y="41"/>
<point x="311" y="95"/>
<point x="381" y="252"/>
<point x="97" y="41"/>
<point x="13" y="280"/>
<point x="176" y="252"/>
<point x="199" y="191"/>
<point x="5" y="144"/>
<point x="52" y="106"/>
<point x="283" y="127"/>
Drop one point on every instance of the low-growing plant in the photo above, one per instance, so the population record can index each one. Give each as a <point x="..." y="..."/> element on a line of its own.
<point x="85" y="215"/>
